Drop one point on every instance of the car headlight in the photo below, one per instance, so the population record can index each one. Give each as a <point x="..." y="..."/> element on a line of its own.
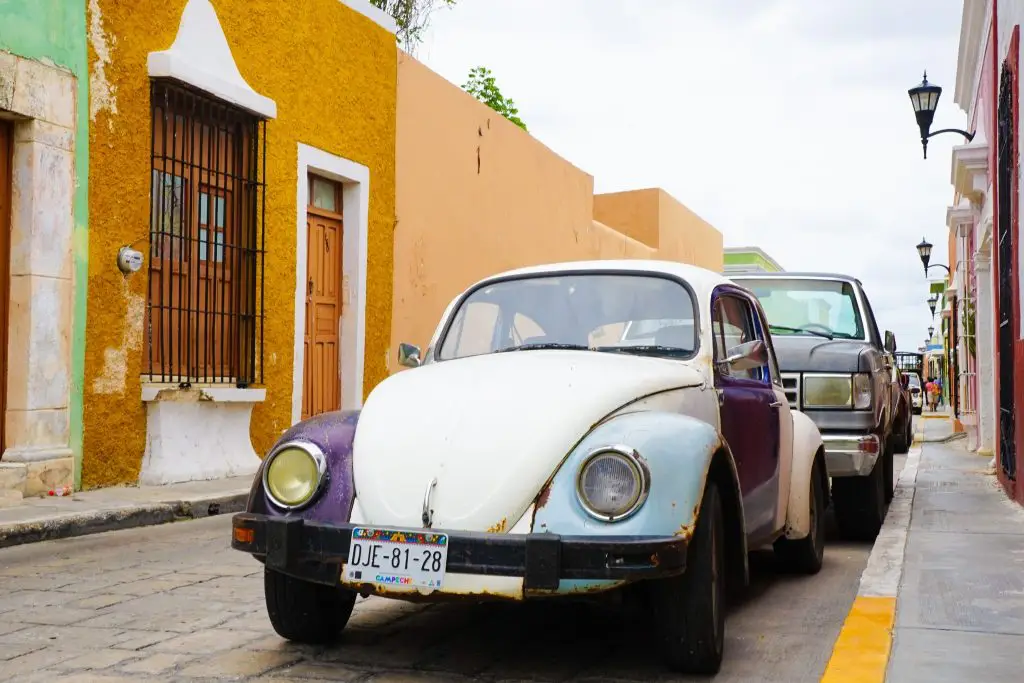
<point x="294" y="473"/>
<point x="827" y="391"/>
<point x="612" y="483"/>
<point x="861" y="391"/>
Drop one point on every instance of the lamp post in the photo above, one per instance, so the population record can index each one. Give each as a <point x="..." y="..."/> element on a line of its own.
<point x="924" y="250"/>
<point x="933" y="300"/>
<point x="925" y="99"/>
<point x="931" y="332"/>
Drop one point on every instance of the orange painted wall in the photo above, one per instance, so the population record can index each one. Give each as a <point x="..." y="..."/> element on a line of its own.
<point x="476" y="195"/>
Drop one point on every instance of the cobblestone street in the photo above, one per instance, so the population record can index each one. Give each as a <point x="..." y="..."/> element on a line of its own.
<point x="174" y="603"/>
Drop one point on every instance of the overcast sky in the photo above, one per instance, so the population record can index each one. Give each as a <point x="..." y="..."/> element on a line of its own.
<point x="784" y="123"/>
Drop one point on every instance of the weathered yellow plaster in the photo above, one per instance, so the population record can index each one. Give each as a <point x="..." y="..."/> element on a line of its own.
<point x="332" y="73"/>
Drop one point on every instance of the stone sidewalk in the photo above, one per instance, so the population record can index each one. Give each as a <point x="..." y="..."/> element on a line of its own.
<point x="960" y="601"/>
<point x="122" y="507"/>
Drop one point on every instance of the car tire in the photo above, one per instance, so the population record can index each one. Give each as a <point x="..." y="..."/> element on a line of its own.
<point x="689" y="609"/>
<point x="902" y="441"/>
<point x="806" y="555"/>
<point x="305" y="612"/>
<point x="859" y="502"/>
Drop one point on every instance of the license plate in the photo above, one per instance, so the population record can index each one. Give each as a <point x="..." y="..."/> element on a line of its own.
<point x="390" y="557"/>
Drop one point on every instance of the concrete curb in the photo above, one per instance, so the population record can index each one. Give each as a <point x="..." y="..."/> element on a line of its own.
<point x="113" y="519"/>
<point x="946" y="439"/>
<point x="861" y="652"/>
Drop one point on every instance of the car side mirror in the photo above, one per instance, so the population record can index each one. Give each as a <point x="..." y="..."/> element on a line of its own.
<point x="747" y="356"/>
<point x="409" y="355"/>
<point x="890" y="342"/>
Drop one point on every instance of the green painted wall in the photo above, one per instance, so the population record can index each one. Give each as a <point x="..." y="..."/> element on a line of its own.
<point x="747" y="258"/>
<point x="54" y="31"/>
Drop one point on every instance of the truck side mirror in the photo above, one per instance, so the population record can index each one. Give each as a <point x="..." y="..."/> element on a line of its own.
<point x="890" y="342"/>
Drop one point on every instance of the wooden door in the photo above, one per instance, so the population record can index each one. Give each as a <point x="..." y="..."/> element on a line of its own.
<point x="5" y="265"/>
<point x="321" y="386"/>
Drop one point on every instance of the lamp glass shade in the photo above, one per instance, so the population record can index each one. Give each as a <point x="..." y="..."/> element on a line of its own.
<point x="924" y="249"/>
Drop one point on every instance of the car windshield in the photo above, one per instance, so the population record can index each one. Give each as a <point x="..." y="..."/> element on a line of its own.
<point x="915" y="381"/>
<point x="623" y="313"/>
<point x="800" y="306"/>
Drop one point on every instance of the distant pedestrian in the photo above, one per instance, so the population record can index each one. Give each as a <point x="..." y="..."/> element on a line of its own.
<point x="929" y="393"/>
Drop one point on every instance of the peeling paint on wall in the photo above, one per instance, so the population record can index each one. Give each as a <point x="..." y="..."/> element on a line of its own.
<point x="114" y="377"/>
<point x="102" y="94"/>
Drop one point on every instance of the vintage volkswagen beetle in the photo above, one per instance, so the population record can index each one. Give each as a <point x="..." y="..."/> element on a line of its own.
<point x="536" y="451"/>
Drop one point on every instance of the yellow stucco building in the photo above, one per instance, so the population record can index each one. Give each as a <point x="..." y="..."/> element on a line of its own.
<point x="246" y="152"/>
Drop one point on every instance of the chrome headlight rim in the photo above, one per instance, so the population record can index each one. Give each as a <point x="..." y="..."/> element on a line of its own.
<point x="312" y="450"/>
<point x="845" y="376"/>
<point x="640" y="469"/>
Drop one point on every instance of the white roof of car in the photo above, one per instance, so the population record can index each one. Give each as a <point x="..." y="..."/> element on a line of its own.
<point x="701" y="279"/>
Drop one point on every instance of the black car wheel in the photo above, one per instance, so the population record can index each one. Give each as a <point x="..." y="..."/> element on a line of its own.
<point x="806" y="555"/>
<point x="306" y="612"/>
<point x="902" y="440"/>
<point x="689" y="609"/>
<point x="860" y="502"/>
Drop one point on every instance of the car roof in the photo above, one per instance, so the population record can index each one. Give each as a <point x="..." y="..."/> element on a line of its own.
<point x="701" y="279"/>
<point x="806" y="275"/>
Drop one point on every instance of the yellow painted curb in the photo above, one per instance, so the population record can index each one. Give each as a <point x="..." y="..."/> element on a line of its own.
<point x="861" y="653"/>
<point x="932" y="416"/>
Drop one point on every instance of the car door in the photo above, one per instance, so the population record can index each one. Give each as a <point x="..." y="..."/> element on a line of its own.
<point x="748" y="412"/>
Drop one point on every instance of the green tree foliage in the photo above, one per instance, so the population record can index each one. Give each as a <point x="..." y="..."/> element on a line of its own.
<point x="482" y="86"/>
<point x="412" y="17"/>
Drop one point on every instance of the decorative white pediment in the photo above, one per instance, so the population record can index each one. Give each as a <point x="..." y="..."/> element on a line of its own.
<point x="960" y="218"/>
<point x="201" y="57"/>
<point x="969" y="173"/>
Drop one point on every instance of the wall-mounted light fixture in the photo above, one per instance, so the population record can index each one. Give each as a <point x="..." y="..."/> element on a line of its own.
<point x="924" y="250"/>
<point x="925" y="98"/>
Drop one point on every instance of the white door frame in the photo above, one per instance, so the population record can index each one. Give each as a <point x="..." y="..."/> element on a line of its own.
<point x="355" y="199"/>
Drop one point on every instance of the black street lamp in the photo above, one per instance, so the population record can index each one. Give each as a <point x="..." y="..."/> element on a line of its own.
<point x="925" y="98"/>
<point x="924" y="250"/>
<point x="931" y="331"/>
<point x="932" y="301"/>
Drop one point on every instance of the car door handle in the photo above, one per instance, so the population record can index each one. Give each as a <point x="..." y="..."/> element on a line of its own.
<point x="775" y="404"/>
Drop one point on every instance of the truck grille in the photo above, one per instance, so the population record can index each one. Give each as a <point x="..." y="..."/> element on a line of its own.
<point x="791" y="384"/>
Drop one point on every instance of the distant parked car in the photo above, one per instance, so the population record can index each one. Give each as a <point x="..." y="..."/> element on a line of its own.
<point x="535" y="453"/>
<point x="916" y="392"/>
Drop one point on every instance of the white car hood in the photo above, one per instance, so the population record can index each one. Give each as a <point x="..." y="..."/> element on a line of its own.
<point x="491" y="429"/>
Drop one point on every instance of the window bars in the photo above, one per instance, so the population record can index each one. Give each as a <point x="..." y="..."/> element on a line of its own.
<point x="204" y="312"/>
<point x="1006" y="180"/>
<point x="967" y="362"/>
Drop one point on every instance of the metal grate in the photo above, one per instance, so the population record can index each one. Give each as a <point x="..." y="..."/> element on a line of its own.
<point x="791" y="385"/>
<point x="966" y="328"/>
<point x="1006" y="180"/>
<point x="204" y="313"/>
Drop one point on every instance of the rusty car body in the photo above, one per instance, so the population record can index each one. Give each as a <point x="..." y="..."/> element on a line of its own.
<point x="536" y="451"/>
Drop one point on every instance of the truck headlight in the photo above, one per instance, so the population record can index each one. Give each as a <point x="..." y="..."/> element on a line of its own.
<point x="612" y="483"/>
<point x="827" y="391"/>
<point x="293" y="474"/>
<point x="861" y="391"/>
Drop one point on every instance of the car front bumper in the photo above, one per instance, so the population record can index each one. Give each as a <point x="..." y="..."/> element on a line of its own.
<point x="316" y="551"/>
<point x="850" y="455"/>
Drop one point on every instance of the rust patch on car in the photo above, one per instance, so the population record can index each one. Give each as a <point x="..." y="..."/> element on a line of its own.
<point x="542" y="497"/>
<point x="368" y="589"/>
<point x="498" y="528"/>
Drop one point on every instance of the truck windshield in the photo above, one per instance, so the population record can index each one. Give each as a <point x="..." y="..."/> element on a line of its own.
<point x="800" y="306"/>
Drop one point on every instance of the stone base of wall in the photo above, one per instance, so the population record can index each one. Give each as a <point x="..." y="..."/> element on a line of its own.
<point x="20" y="480"/>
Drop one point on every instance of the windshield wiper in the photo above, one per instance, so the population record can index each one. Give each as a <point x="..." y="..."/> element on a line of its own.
<point x="783" y="328"/>
<point x="647" y="350"/>
<point x="545" y="345"/>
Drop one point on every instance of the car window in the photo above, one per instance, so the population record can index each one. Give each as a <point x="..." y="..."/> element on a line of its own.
<point x="586" y="311"/>
<point x="822" y="306"/>
<point x="732" y="325"/>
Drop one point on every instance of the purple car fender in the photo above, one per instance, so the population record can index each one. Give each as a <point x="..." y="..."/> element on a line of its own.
<point x="333" y="433"/>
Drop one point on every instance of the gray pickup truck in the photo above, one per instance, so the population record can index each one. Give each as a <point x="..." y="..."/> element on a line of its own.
<point x="838" y="370"/>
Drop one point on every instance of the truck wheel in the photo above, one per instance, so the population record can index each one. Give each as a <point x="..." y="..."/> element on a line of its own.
<point x="889" y="474"/>
<point x="806" y="555"/>
<point x="689" y="609"/>
<point x="902" y="441"/>
<point x="306" y="612"/>
<point x="859" y="502"/>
